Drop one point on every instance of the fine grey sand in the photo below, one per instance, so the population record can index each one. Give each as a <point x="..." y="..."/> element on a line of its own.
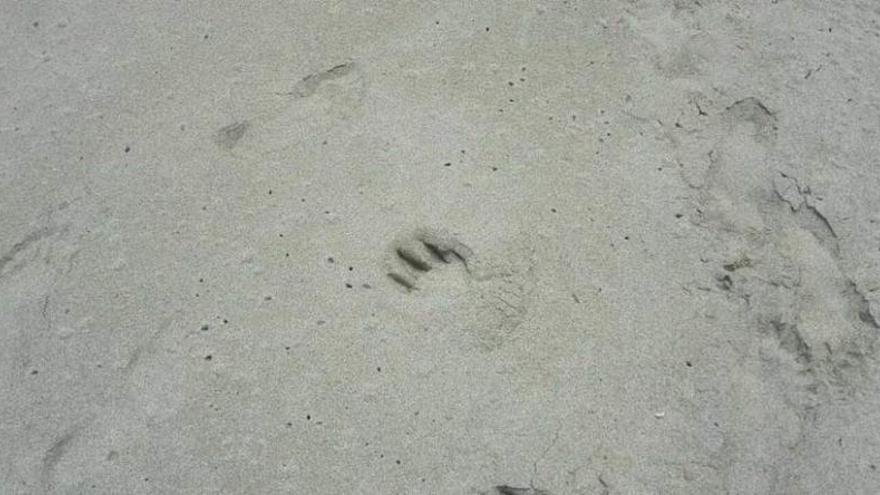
<point x="500" y="248"/>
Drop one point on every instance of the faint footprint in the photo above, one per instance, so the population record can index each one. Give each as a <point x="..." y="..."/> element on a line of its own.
<point x="489" y="296"/>
<point x="229" y="136"/>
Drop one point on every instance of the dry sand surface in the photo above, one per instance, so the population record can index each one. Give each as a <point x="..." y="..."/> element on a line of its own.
<point x="498" y="248"/>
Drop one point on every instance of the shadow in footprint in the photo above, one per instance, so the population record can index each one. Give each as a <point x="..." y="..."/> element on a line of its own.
<point x="422" y="252"/>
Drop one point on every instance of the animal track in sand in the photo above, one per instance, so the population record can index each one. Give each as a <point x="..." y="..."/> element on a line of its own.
<point x="424" y="251"/>
<point x="489" y="296"/>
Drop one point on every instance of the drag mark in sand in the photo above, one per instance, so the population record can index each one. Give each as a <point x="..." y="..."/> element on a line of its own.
<point x="310" y="84"/>
<point x="53" y="456"/>
<point x="24" y="244"/>
<point x="512" y="490"/>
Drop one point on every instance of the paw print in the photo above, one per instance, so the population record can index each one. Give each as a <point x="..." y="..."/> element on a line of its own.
<point x="424" y="252"/>
<point x="489" y="297"/>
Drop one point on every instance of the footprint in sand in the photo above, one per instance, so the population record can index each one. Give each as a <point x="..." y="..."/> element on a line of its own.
<point x="488" y="296"/>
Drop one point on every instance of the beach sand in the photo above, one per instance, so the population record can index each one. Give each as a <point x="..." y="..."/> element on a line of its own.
<point x="500" y="248"/>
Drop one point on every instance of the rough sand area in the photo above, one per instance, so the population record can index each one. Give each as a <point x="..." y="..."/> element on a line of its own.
<point x="499" y="248"/>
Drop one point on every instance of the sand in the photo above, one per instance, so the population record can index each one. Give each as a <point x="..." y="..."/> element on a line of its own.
<point x="333" y="247"/>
